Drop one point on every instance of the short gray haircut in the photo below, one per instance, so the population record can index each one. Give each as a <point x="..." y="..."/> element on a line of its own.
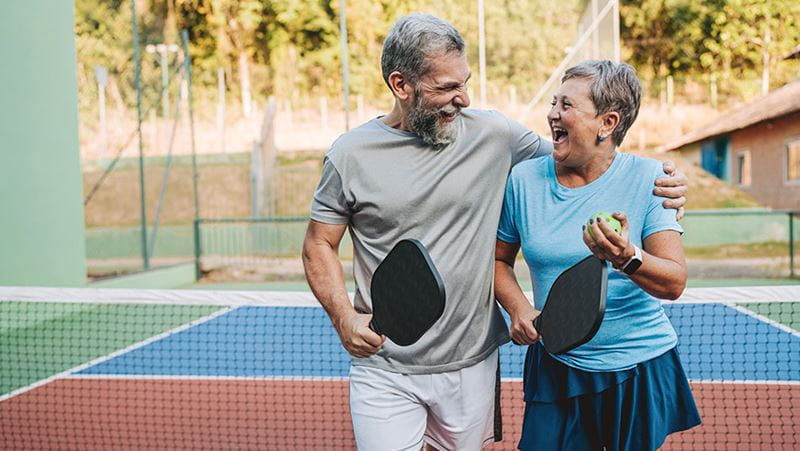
<point x="615" y="87"/>
<point x="413" y="40"/>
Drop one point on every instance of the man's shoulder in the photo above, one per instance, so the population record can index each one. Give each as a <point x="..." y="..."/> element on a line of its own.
<point x="355" y="139"/>
<point x="534" y="167"/>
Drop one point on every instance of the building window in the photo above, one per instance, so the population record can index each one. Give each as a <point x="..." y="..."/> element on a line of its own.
<point x="743" y="168"/>
<point x="793" y="161"/>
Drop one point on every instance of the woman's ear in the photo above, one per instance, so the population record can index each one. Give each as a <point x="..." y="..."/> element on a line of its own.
<point x="609" y="123"/>
<point x="400" y="85"/>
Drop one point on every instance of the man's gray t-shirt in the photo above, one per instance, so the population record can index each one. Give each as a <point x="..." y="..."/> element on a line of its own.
<point x="387" y="185"/>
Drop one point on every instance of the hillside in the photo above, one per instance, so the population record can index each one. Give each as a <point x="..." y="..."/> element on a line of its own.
<point x="705" y="190"/>
<point x="225" y="191"/>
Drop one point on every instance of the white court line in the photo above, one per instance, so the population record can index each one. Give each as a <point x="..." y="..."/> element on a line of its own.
<point x="764" y="319"/>
<point x="700" y="295"/>
<point x="744" y="382"/>
<point x="768" y="293"/>
<point x="150" y="296"/>
<point x="210" y="378"/>
<point x="342" y="379"/>
<point x="704" y="381"/>
<point x="102" y="359"/>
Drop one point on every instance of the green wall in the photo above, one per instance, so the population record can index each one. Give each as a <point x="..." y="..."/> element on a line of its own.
<point x="41" y="208"/>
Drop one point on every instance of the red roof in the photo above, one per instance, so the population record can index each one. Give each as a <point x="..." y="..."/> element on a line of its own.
<point x="780" y="102"/>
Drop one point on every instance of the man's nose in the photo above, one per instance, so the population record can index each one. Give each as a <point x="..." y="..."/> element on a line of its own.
<point x="461" y="100"/>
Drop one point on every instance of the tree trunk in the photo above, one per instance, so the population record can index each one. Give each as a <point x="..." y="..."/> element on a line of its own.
<point x="244" y="74"/>
<point x="765" y="59"/>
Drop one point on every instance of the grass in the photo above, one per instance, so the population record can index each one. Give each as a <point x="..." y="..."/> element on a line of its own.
<point x="225" y="190"/>
<point x="766" y="249"/>
<point x="713" y="283"/>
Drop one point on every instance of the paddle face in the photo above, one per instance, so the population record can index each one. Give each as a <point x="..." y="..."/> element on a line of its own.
<point x="407" y="293"/>
<point x="575" y="306"/>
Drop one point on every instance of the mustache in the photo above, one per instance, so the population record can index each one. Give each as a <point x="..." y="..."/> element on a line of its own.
<point x="450" y="109"/>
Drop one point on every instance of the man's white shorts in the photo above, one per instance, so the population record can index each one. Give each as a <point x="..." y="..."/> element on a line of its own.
<point x="452" y="411"/>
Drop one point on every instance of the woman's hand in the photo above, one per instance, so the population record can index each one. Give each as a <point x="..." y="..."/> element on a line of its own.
<point x="606" y="244"/>
<point x="522" y="331"/>
<point x="510" y="295"/>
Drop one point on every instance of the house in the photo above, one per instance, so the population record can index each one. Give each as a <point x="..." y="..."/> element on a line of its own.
<point x="755" y="147"/>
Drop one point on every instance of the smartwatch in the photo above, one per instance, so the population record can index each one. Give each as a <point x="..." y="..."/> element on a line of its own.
<point x="634" y="262"/>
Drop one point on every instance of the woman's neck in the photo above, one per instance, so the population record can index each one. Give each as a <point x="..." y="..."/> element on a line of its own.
<point x="586" y="173"/>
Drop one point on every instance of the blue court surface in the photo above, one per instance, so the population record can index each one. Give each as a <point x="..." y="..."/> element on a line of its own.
<point x="717" y="342"/>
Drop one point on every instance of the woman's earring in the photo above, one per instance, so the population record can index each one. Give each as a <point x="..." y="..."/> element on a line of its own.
<point x="600" y="138"/>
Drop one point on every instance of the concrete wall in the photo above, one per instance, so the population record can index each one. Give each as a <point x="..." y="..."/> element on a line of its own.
<point x="767" y="145"/>
<point x="41" y="205"/>
<point x="692" y="153"/>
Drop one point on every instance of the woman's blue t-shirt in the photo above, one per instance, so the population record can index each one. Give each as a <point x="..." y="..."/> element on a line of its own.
<point x="547" y="218"/>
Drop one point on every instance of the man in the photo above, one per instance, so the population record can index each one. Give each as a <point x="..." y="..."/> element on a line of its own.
<point x="434" y="171"/>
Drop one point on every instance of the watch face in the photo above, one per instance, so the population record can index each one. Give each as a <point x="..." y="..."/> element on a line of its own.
<point x="632" y="266"/>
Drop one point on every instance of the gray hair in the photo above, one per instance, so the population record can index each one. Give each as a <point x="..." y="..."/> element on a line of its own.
<point x="615" y="87"/>
<point x="413" y="40"/>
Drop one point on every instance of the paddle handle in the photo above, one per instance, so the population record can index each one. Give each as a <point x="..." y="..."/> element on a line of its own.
<point x="373" y="327"/>
<point x="537" y="322"/>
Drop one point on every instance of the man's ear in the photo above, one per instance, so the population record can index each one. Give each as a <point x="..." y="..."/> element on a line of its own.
<point x="400" y="85"/>
<point x="610" y="121"/>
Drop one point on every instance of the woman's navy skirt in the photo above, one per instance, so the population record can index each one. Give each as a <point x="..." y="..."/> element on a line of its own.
<point x="635" y="409"/>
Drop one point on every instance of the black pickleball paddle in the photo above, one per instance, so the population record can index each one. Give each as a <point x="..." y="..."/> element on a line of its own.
<point x="575" y="306"/>
<point x="407" y="293"/>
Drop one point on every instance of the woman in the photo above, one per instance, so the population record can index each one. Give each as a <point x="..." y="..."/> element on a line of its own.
<point x="625" y="389"/>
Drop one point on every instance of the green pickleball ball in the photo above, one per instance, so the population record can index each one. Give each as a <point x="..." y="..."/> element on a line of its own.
<point x="610" y="220"/>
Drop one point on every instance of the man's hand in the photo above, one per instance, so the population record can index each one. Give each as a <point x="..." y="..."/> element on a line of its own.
<point x="675" y="187"/>
<point x="356" y="336"/>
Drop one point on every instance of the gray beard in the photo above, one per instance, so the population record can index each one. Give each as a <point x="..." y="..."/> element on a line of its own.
<point x="425" y="123"/>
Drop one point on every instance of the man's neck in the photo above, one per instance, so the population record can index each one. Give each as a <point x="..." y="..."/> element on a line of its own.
<point x="397" y="118"/>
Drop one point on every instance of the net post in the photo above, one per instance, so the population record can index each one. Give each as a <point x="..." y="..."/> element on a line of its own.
<point x="617" y="39"/>
<point x="791" y="244"/>
<point x="138" y="82"/>
<point x="187" y="67"/>
<point x="345" y="68"/>
<point x="198" y="271"/>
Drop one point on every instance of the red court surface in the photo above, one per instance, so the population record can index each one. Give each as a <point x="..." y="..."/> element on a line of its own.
<point x="135" y="414"/>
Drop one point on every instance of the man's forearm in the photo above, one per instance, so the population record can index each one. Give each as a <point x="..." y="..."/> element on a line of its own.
<point x="326" y="278"/>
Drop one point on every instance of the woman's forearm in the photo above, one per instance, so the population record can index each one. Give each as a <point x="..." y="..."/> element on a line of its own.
<point x="507" y="290"/>
<point x="663" y="272"/>
<point x="660" y="277"/>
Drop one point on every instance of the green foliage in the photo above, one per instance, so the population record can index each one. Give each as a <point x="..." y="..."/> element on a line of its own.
<point x="104" y="38"/>
<point x="291" y="48"/>
<point x="728" y="38"/>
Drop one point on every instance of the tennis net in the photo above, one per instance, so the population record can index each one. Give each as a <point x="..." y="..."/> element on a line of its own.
<point x="195" y="369"/>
